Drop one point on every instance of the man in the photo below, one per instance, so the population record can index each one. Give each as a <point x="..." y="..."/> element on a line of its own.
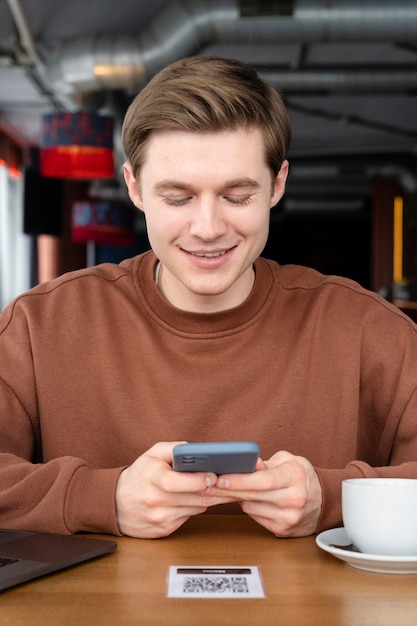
<point x="103" y="370"/>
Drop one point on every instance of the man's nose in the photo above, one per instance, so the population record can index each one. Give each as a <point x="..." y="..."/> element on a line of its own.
<point x="208" y="220"/>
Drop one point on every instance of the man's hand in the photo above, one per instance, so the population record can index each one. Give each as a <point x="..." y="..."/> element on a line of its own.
<point x="283" y="495"/>
<point x="152" y="500"/>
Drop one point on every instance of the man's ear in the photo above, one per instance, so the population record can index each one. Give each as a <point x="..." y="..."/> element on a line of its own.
<point x="132" y="186"/>
<point x="279" y="183"/>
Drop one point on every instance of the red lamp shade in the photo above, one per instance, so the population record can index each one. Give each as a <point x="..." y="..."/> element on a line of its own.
<point x="106" y="222"/>
<point x="77" y="145"/>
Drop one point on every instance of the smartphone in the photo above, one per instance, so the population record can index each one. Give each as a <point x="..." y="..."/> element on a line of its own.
<point x="222" y="457"/>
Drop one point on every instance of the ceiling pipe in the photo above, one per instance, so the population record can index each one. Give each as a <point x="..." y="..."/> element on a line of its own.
<point x="31" y="60"/>
<point x="104" y="63"/>
<point x="25" y="37"/>
<point x="343" y="81"/>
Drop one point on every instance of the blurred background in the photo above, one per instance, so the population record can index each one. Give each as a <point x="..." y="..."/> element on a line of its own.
<point x="347" y="70"/>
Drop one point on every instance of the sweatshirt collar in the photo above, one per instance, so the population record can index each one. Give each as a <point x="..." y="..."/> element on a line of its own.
<point x="187" y="322"/>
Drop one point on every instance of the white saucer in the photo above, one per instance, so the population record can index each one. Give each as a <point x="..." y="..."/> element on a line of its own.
<point x="328" y="539"/>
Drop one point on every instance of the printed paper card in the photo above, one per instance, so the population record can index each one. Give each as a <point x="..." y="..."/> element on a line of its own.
<point x="214" y="581"/>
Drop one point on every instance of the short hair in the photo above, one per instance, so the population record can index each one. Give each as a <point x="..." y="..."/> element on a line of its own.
<point x="204" y="94"/>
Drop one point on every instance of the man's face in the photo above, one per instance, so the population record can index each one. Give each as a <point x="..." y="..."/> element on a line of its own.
<point x="206" y="199"/>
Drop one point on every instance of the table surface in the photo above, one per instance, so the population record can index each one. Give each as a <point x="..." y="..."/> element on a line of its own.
<point x="303" y="584"/>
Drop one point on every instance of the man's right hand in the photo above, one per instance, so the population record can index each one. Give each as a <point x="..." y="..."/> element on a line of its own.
<point x="153" y="500"/>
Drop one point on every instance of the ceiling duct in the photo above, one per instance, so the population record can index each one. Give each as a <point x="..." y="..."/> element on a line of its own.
<point x="373" y="81"/>
<point x="105" y="63"/>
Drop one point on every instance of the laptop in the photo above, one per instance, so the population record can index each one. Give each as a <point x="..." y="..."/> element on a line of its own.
<point x="27" y="555"/>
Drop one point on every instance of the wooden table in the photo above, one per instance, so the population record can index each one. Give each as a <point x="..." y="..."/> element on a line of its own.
<point x="303" y="585"/>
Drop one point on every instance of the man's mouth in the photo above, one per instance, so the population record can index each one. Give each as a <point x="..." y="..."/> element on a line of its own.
<point x="209" y="255"/>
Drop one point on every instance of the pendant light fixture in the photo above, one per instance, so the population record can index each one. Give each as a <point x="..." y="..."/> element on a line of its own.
<point x="103" y="221"/>
<point x="77" y="145"/>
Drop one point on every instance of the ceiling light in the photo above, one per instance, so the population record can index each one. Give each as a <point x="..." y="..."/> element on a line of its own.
<point x="77" y="145"/>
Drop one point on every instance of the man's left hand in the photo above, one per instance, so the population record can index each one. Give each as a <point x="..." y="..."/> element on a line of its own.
<point x="284" y="494"/>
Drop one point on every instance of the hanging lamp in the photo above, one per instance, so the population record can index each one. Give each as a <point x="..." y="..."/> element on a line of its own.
<point x="105" y="222"/>
<point x="77" y="145"/>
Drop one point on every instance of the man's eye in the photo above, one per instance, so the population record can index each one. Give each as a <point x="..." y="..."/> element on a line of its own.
<point x="238" y="199"/>
<point x="175" y="201"/>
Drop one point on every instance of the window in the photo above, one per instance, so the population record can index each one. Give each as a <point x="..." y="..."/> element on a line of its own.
<point x="15" y="246"/>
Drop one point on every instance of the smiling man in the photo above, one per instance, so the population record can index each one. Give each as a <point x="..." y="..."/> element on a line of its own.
<point x="104" y="370"/>
<point x="206" y="197"/>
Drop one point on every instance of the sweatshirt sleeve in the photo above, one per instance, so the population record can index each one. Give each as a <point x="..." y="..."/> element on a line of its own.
<point x="63" y="495"/>
<point x="331" y="483"/>
<point x="402" y="464"/>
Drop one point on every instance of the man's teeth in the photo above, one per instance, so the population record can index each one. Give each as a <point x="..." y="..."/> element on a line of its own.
<point x="209" y="254"/>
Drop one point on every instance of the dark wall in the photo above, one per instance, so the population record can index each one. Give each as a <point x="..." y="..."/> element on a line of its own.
<point x="332" y="243"/>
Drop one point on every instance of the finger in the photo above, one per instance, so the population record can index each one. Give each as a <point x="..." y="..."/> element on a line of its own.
<point x="163" y="450"/>
<point x="209" y="500"/>
<point x="162" y="476"/>
<point x="161" y="522"/>
<point x="182" y="500"/>
<point x="260" y="464"/>
<point x="279" y="458"/>
<point x="280" y="523"/>
<point x="258" y="481"/>
<point x="168" y="480"/>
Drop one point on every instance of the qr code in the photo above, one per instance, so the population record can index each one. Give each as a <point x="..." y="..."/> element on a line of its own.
<point x="215" y="584"/>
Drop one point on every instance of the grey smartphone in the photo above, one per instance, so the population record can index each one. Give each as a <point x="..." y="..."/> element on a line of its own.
<point x="221" y="457"/>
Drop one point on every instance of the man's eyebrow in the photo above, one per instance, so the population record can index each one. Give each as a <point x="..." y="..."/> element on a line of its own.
<point x="165" y="185"/>
<point x="242" y="182"/>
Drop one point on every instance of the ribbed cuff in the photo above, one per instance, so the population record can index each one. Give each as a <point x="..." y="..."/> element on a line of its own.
<point x="90" y="501"/>
<point x="331" y="484"/>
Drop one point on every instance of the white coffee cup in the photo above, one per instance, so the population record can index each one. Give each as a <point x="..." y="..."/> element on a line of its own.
<point x="380" y="515"/>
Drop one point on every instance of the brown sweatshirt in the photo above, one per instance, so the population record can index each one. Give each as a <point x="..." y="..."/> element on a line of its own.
<point x="96" y="367"/>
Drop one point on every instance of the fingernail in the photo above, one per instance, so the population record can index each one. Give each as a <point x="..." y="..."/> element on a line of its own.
<point x="223" y="483"/>
<point x="210" y="480"/>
